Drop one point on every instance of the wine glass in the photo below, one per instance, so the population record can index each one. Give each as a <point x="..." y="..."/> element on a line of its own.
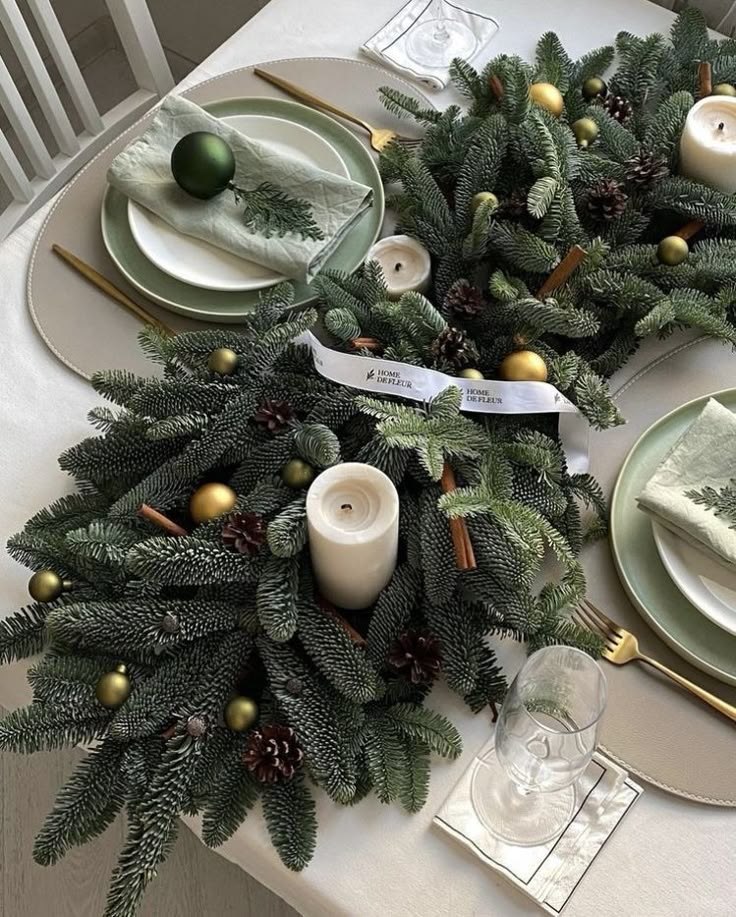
<point x="436" y="42"/>
<point x="524" y="788"/>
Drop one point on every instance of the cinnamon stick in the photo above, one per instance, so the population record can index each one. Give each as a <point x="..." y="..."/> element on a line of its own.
<point x="163" y="522"/>
<point x="689" y="229"/>
<point x="496" y="87"/>
<point x="563" y="270"/>
<point x="464" y="554"/>
<point x="365" y="344"/>
<point x="705" y="79"/>
<point x="357" y="638"/>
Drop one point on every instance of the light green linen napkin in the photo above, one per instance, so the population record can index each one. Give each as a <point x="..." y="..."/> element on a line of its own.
<point x="704" y="456"/>
<point x="143" y="172"/>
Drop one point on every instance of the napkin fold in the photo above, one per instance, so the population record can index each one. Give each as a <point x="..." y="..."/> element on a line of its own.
<point x="548" y="873"/>
<point x="705" y="455"/>
<point x="388" y="45"/>
<point x="143" y="173"/>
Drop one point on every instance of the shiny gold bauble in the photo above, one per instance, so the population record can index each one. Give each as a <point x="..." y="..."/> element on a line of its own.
<point x="471" y="373"/>
<point x="523" y="366"/>
<point x="585" y="130"/>
<point x="724" y="89"/>
<point x="594" y="87"/>
<point x="47" y="586"/>
<point x="113" y="688"/>
<point x="672" y="250"/>
<point x="481" y="198"/>
<point x="210" y="501"/>
<point x="241" y="713"/>
<point x="223" y="361"/>
<point x="547" y="96"/>
<point x="297" y="474"/>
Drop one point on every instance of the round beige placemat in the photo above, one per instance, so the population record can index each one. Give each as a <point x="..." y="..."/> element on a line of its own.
<point x="652" y="727"/>
<point x="84" y="328"/>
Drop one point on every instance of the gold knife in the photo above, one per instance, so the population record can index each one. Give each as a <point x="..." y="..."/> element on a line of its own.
<point x="102" y="283"/>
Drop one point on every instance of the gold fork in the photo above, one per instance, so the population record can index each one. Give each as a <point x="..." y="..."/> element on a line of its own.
<point x="380" y="136"/>
<point x="621" y="646"/>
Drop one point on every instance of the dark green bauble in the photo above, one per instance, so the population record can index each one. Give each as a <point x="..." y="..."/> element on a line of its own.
<point x="202" y="164"/>
<point x="594" y="87"/>
<point x="297" y="474"/>
<point x="724" y="89"/>
<point x="672" y="250"/>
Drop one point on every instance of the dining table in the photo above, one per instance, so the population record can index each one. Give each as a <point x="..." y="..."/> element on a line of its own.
<point x="671" y="856"/>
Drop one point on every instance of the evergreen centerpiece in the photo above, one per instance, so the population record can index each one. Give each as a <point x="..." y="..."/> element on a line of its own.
<point x="182" y="634"/>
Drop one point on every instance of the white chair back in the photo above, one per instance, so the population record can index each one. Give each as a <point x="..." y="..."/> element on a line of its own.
<point x="142" y="47"/>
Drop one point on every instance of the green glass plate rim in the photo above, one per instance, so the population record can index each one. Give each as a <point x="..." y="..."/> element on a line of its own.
<point x="369" y="175"/>
<point x="728" y="395"/>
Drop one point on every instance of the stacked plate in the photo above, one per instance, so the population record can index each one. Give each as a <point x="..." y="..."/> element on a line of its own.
<point x="688" y="598"/>
<point x="195" y="279"/>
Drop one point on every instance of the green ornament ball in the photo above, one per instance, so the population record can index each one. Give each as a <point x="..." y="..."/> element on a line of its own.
<point x="223" y="361"/>
<point x="202" y="164"/>
<point x="672" y="250"/>
<point x="47" y="586"/>
<point x="113" y="688"/>
<point x="724" y="89"/>
<point x="594" y="87"/>
<point x="483" y="197"/>
<point x="471" y="373"/>
<point x="586" y="131"/>
<point x="297" y="474"/>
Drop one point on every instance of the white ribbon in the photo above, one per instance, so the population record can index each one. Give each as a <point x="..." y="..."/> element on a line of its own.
<point x="487" y="396"/>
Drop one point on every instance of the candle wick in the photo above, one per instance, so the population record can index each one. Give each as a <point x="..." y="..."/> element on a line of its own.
<point x="348" y="507"/>
<point x="398" y="266"/>
<point x="721" y="126"/>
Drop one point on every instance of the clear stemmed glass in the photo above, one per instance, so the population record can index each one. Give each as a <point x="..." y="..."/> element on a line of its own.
<point x="436" y="42"/>
<point x="524" y="788"/>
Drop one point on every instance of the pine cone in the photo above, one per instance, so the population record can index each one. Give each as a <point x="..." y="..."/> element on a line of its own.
<point x="464" y="299"/>
<point x="273" y="754"/>
<point x="643" y="169"/>
<point x="618" y="107"/>
<point x="606" y="200"/>
<point x="274" y="415"/>
<point x="453" y="346"/>
<point x="244" y="532"/>
<point x="416" y="655"/>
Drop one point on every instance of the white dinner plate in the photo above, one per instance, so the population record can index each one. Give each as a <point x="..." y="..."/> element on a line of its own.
<point x="203" y="265"/>
<point x="707" y="584"/>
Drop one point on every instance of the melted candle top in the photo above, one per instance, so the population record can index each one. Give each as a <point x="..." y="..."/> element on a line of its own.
<point x="717" y="127"/>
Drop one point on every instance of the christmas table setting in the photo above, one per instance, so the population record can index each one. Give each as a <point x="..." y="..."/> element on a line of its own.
<point x="315" y="500"/>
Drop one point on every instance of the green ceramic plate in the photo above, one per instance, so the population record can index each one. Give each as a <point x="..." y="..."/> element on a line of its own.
<point x="216" y="306"/>
<point x="678" y="623"/>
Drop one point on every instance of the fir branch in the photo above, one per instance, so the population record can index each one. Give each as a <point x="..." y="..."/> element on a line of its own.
<point x="720" y="501"/>
<point x="269" y="211"/>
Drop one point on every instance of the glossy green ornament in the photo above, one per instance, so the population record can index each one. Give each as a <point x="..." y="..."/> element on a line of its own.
<point x="594" y="87"/>
<point x="585" y="130"/>
<point x="297" y="474"/>
<point x="223" y="361"/>
<point x="113" y="688"/>
<point x="47" y="586"/>
<point x="481" y="198"/>
<point x="471" y="373"/>
<point x="724" y="89"/>
<point x="672" y="250"/>
<point x="202" y="164"/>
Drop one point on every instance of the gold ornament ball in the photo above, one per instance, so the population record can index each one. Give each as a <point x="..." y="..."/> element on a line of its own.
<point x="523" y="366"/>
<point x="481" y="197"/>
<point x="547" y="96"/>
<point x="210" y="501"/>
<point x="594" y="87"/>
<point x="471" y="373"/>
<point x="672" y="250"/>
<point x="241" y="713"/>
<point x="585" y="130"/>
<point x="47" y="586"/>
<point x="297" y="474"/>
<point x="113" y="688"/>
<point x="724" y="89"/>
<point x="223" y="361"/>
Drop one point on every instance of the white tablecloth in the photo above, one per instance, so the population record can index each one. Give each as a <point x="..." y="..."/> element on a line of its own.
<point x="671" y="858"/>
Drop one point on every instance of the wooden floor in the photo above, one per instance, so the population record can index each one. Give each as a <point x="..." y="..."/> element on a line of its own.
<point x="195" y="882"/>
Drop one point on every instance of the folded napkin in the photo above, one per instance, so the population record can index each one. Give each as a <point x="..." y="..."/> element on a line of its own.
<point x="388" y="46"/>
<point x="143" y="173"/>
<point x="548" y="873"/>
<point x="704" y="456"/>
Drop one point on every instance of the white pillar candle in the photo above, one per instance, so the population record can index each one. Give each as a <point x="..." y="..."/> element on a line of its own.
<point x="353" y="523"/>
<point x="708" y="143"/>
<point x="406" y="264"/>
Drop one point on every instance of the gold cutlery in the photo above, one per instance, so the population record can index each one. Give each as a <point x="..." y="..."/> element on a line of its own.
<point x="621" y="646"/>
<point x="380" y="137"/>
<point x="102" y="283"/>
